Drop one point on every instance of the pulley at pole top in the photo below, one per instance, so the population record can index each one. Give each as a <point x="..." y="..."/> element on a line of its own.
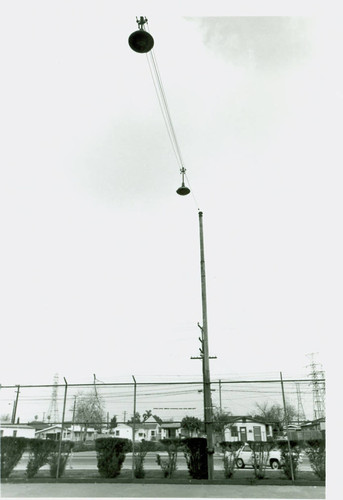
<point x="141" y="41"/>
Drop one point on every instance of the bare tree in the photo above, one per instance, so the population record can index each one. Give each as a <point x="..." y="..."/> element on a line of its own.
<point x="275" y="414"/>
<point x="89" y="412"/>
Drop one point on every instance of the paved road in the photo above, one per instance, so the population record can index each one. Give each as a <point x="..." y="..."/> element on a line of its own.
<point x="87" y="460"/>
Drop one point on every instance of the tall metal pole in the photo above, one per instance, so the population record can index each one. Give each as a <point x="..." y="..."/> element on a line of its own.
<point x="206" y="364"/>
<point x="134" y="427"/>
<point x="286" y="423"/>
<point x="62" y="425"/>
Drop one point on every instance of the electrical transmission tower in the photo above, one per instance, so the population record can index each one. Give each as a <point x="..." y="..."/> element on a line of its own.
<point x="318" y="388"/>
<point x="301" y="413"/>
<point x="52" y="414"/>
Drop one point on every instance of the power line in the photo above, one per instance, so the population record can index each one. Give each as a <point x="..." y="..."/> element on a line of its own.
<point x="130" y="384"/>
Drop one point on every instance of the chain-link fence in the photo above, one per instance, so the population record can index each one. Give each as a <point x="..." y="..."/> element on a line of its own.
<point x="102" y="405"/>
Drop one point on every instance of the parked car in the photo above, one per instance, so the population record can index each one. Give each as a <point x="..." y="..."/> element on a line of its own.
<point x="245" y="457"/>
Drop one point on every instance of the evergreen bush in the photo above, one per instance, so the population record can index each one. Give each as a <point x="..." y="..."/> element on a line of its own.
<point x="316" y="452"/>
<point x="12" y="449"/>
<point x="110" y="455"/>
<point x="195" y="451"/>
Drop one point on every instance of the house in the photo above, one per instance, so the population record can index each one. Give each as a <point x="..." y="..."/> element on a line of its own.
<point x="305" y="431"/>
<point x="149" y="430"/>
<point x="70" y="432"/>
<point x="170" y="430"/>
<point x="314" y="429"/>
<point x="77" y="433"/>
<point x="17" y="430"/>
<point x="38" y="425"/>
<point x="123" y="431"/>
<point x="53" y="432"/>
<point x="247" y="429"/>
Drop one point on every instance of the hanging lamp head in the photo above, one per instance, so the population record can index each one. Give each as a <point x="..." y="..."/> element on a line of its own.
<point x="141" y="41"/>
<point x="183" y="190"/>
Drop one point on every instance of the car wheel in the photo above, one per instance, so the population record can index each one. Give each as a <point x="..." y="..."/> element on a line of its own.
<point x="274" y="464"/>
<point x="240" y="463"/>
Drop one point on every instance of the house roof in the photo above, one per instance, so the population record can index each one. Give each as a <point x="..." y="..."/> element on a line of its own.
<point x="150" y="423"/>
<point x="313" y="422"/>
<point x="38" y="425"/>
<point x="171" y="425"/>
<point x="57" y="426"/>
<point x="121" y="425"/>
<point x="147" y="425"/>
<point x="244" y="418"/>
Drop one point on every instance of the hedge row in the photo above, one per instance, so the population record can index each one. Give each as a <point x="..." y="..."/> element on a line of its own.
<point x="111" y="453"/>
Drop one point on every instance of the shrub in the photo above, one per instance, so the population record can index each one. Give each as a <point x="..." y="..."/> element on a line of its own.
<point x="230" y="454"/>
<point x="195" y="451"/>
<point x="12" y="449"/>
<point x="66" y="447"/>
<point x="260" y="456"/>
<point x="140" y="454"/>
<point x="169" y="466"/>
<point x="289" y="460"/>
<point x="40" y="450"/>
<point x="110" y="455"/>
<point x="316" y="453"/>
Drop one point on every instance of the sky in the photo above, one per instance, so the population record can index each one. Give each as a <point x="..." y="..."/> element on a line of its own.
<point x="100" y="258"/>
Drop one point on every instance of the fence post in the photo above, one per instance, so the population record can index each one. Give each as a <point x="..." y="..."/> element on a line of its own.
<point x="62" y="424"/>
<point x="286" y="424"/>
<point x="15" y="405"/>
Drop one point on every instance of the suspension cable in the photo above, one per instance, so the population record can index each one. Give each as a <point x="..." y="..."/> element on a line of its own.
<point x="156" y="76"/>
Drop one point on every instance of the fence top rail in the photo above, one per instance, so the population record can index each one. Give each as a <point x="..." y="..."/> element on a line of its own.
<point x="99" y="384"/>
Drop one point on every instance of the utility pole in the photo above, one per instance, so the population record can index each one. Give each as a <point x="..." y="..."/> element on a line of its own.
<point x="287" y="431"/>
<point x="206" y="365"/>
<point x="15" y="405"/>
<point x="62" y="427"/>
<point x="220" y="395"/>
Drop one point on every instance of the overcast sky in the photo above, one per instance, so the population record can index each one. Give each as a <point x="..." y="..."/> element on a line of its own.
<point x="100" y="265"/>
